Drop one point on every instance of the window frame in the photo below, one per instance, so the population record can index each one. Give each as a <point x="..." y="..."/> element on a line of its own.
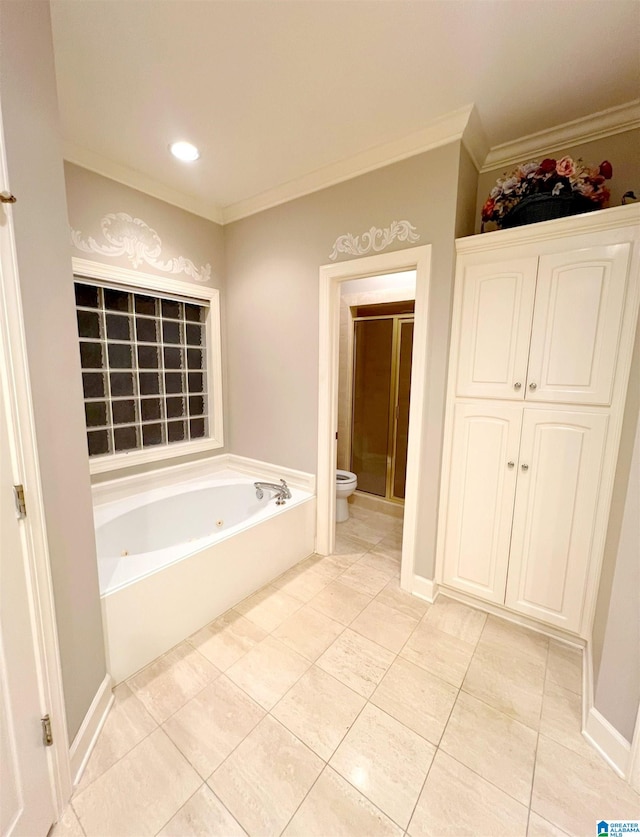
<point x="136" y="282"/>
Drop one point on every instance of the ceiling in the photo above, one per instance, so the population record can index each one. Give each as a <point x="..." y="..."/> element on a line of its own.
<point x="272" y="91"/>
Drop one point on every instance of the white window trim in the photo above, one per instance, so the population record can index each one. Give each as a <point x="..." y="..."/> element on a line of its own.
<point x="134" y="280"/>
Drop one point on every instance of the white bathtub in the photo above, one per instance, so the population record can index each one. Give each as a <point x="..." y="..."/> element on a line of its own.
<point x="173" y="558"/>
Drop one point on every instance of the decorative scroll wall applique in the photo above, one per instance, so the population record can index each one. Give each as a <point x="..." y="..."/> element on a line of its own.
<point x="374" y="239"/>
<point x="131" y="237"/>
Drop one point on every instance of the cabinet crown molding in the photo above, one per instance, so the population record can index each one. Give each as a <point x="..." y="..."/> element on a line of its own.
<point x="589" y="222"/>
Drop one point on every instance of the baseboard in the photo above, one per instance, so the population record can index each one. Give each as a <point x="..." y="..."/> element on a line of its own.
<point x="424" y="588"/>
<point x="613" y="747"/>
<point x="85" y="740"/>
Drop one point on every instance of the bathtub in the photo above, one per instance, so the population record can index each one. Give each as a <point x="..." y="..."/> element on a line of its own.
<point x="173" y="558"/>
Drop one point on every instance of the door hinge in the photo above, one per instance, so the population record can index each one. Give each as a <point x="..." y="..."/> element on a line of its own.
<point x="47" y="735"/>
<point x="21" y="505"/>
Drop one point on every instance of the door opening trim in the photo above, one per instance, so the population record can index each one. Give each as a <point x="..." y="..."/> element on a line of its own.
<point x="414" y="258"/>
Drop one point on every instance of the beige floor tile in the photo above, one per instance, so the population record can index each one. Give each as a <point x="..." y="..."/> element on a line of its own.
<point x="170" y="681"/>
<point x="309" y="632"/>
<point x="456" y="619"/>
<point x="334" y="808"/>
<point x="369" y="529"/>
<point x="504" y="636"/>
<point x="416" y="698"/>
<point x="68" y="825"/>
<point x="382" y="562"/>
<point x="227" y="639"/>
<point x="456" y="802"/>
<point x="385" y="761"/>
<point x="128" y="722"/>
<point x="562" y="720"/>
<point x="393" y="596"/>
<point x="202" y="816"/>
<point x="347" y="544"/>
<point x="268" y="607"/>
<point x="442" y="654"/>
<point x="140" y="793"/>
<point x="384" y="625"/>
<point x="266" y="778"/>
<point x="339" y="602"/>
<point x="301" y="583"/>
<point x="539" y="827"/>
<point x="564" y="667"/>
<point x="268" y="671"/>
<point x="391" y="545"/>
<point x="356" y="661"/>
<point x="332" y="566"/>
<point x="319" y="710"/>
<point x="492" y="744"/>
<point x="511" y="683"/>
<point x="364" y="578"/>
<point x="574" y="793"/>
<point x="211" y="724"/>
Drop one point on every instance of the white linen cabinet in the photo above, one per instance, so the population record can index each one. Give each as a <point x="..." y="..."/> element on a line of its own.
<point x="543" y="327"/>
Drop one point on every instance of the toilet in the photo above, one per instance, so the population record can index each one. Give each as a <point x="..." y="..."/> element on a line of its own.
<point x="346" y="484"/>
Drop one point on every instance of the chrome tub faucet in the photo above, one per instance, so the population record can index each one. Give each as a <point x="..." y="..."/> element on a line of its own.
<point x="281" y="491"/>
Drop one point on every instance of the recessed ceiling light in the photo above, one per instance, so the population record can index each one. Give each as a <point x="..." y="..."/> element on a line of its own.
<point x="184" y="151"/>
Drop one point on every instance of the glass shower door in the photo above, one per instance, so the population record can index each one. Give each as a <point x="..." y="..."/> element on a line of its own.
<point x="372" y="382"/>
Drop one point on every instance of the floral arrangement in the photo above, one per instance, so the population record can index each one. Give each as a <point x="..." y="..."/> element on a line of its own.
<point x="550" y="177"/>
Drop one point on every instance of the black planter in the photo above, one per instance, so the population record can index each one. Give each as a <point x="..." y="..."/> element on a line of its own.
<point x="536" y="208"/>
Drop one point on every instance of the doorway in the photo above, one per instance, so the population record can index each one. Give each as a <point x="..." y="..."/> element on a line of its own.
<point x="331" y="277"/>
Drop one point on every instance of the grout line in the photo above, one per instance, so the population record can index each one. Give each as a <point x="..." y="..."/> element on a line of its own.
<point x="164" y="825"/>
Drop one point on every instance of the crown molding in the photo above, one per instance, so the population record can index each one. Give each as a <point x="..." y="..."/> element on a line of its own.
<point x="586" y="222"/>
<point x="137" y="180"/>
<point x="605" y="123"/>
<point x="441" y="131"/>
<point x="474" y="138"/>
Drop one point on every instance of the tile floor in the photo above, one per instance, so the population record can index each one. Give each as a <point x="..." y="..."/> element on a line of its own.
<point x="332" y="703"/>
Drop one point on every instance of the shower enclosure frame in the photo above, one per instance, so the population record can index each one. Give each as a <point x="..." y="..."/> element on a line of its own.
<point x="331" y="276"/>
<point x="392" y="419"/>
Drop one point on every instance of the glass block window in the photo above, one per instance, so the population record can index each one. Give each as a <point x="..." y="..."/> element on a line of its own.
<point x="144" y="372"/>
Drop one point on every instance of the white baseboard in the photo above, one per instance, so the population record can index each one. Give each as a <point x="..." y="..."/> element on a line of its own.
<point x="85" y="740"/>
<point x="424" y="588"/>
<point x="613" y="747"/>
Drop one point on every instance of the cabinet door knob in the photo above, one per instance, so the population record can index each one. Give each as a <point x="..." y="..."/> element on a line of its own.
<point x="510" y="464"/>
<point x="517" y="385"/>
<point x="524" y="467"/>
<point x="533" y="385"/>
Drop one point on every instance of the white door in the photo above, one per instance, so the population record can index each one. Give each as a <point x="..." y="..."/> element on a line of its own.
<point x="495" y="326"/>
<point x="482" y="486"/>
<point x="553" y="521"/>
<point x="576" y="325"/>
<point x="26" y="793"/>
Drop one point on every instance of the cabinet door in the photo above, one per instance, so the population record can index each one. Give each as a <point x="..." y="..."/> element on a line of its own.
<point x="576" y="325"/>
<point x="553" y="520"/>
<point x="482" y="485"/>
<point x="495" y="326"/>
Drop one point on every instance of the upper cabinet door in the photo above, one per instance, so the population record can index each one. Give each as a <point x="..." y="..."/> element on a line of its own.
<point x="553" y="520"/>
<point x="482" y="486"/>
<point x="495" y="326"/>
<point x="576" y="325"/>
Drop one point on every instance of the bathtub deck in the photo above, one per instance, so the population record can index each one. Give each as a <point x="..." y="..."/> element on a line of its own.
<point x="331" y="702"/>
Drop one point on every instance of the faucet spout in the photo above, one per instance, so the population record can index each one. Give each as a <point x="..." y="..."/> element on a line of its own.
<point x="281" y="491"/>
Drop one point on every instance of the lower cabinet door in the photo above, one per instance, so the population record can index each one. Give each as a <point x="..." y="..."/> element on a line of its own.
<point x="554" y="514"/>
<point x="482" y="483"/>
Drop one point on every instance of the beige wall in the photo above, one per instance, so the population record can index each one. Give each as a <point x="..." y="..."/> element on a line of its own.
<point x="34" y="156"/>
<point x="616" y="630"/>
<point x="620" y="149"/>
<point x="272" y="261"/>
<point x="90" y="197"/>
